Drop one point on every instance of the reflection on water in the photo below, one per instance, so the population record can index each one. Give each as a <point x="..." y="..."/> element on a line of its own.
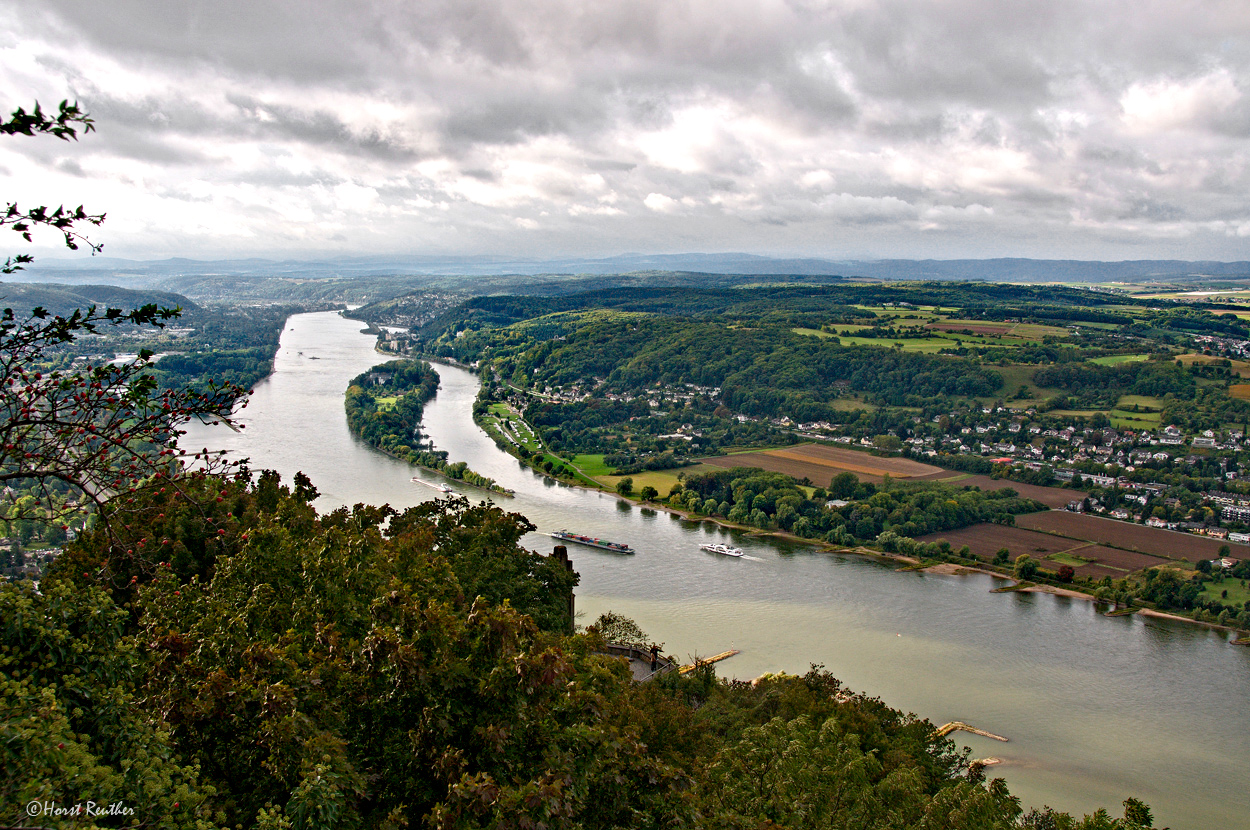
<point x="1097" y="709"/>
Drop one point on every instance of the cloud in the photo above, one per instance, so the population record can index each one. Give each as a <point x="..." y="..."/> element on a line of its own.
<point x="660" y="203"/>
<point x="865" y="127"/>
<point x="1168" y="104"/>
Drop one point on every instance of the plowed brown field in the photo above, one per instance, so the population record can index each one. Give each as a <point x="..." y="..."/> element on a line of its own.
<point x="1152" y="540"/>
<point x="1110" y="561"/>
<point x="820" y="463"/>
<point x="984" y="540"/>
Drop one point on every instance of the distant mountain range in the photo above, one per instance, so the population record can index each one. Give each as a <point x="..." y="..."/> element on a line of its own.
<point x="148" y="273"/>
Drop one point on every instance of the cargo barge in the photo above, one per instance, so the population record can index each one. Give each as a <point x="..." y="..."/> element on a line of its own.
<point x="591" y="541"/>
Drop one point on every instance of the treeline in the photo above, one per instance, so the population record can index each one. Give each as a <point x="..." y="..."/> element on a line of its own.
<point x="394" y="424"/>
<point x="837" y="302"/>
<point x="242" y="367"/>
<point x="1169" y="589"/>
<point x="1091" y="383"/>
<point x="775" y="501"/>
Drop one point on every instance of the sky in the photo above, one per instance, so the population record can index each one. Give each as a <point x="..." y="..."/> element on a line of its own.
<point x="847" y="129"/>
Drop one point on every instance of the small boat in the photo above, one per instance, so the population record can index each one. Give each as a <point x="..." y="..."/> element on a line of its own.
<point x="722" y="549"/>
<point x="591" y="541"/>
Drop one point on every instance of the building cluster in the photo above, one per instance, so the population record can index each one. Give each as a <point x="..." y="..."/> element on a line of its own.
<point x="1230" y="347"/>
<point x="656" y="397"/>
<point x="1135" y="465"/>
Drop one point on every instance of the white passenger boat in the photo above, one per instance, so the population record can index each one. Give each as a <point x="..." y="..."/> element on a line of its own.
<point x="722" y="549"/>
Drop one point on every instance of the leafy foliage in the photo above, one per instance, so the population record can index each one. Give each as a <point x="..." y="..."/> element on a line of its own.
<point x="774" y="500"/>
<point x="102" y="430"/>
<point x="365" y="669"/>
<point x="64" y="125"/>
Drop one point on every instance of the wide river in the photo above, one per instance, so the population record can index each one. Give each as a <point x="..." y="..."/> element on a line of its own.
<point x="1096" y="709"/>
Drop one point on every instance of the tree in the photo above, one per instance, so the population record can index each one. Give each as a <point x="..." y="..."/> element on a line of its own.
<point x="1001" y="557"/>
<point x="101" y="430"/>
<point x="888" y="443"/>
<point x="1137" y="813"/>
<point x="625" y="486"/>
<point x="90" y="433"/>
<point x="649" y="493"/>
<point x="617" y="628"/>
<point x="1026" y="567"/>
<point x="843" y="486"/>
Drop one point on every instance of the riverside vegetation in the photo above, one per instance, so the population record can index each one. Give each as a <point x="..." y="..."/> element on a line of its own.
<point x="384" y="407"/>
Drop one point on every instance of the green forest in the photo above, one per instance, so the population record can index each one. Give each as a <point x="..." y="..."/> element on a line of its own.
<point x="775" y="501"/>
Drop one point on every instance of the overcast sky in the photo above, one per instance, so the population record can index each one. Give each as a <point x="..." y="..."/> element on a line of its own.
<point x="838" y="128"/>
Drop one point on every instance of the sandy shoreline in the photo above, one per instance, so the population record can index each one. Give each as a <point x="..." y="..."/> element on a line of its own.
<point x="1061" y="592"/>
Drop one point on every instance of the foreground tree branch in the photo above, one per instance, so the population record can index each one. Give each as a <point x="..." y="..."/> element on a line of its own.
<point x="65" y="126"/>
<point x="96" y="433"/>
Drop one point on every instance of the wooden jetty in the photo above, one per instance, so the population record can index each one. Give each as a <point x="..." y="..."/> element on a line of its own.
<point x="946" y="729"/>
<point x="724" y="655"/>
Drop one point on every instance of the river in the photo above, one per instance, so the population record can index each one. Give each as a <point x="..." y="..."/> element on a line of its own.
<point x="1097" y="709"/>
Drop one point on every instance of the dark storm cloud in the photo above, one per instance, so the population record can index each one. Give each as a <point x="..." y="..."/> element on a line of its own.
<point x="518" y="126"/>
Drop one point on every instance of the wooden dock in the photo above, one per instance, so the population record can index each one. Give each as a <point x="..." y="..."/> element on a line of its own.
<point x="724" y="655"/>
<point x="946" y="729"/>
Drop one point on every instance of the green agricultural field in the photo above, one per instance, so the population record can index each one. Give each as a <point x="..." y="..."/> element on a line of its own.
<point x="1068" y="559"/>
<point x="1104" y="326"/>
<point x="1074" y="413"/>
<point x="661" y="480"/>
<point x="592" y="465"/>
<point x="1140" y="401"/>
<point x="929" y="345"/>
<point x="1014" y="376"/>
<point x="1238" y="594"/>
<point x="823" y="335"/>
<point x="850" y="404"/>
<point x="387" y="403"/>
<point x="1117" y="359"/>
<point x="1036" y="331"/>
<point x="1120" y="419"/>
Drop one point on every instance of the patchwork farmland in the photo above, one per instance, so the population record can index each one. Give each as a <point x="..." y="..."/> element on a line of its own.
<point x="819" y="463"/>
<point x="1149" y="540"/>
